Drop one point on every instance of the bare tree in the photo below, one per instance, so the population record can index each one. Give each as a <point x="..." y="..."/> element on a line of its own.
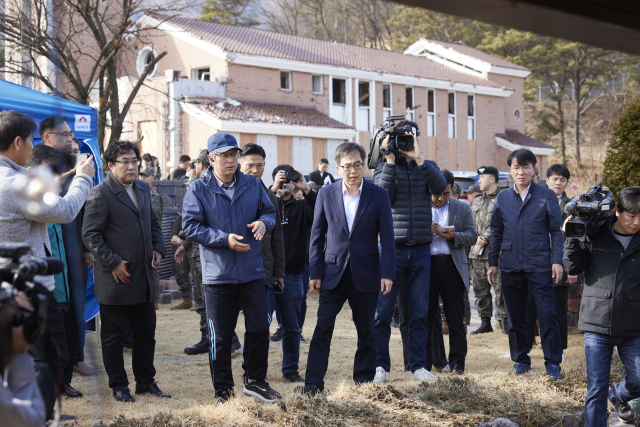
<point x="72" y="47"/>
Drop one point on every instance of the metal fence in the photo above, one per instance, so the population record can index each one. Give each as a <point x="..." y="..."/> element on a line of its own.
<point x="611" y="87"/>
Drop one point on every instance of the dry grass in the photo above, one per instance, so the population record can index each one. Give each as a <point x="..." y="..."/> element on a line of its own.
<point x="484" y="393"/>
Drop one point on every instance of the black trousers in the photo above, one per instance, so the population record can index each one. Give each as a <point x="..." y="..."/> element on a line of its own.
<point x="515" y="289"/>
<point x="446" y="282"/>
<point x="222" y="315"/>
<point x="561" y="298"/>
<point x="363" y="308"/>
<point x="436" y="354"/>
<point x="73" y="341"/>
<point x="51" y="354"/>
<point x="142" y="318"/>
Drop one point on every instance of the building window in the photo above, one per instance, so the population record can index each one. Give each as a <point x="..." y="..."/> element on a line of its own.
<point x="452" y="115"/>
<point x="338" y="89"/>
<point x="471" y="120"/>
<point x="364" y="98"/>
<point x="201" y="74"/>
<point x="386" y="101"/>
<point x="145" y="56"/>
<point x="285" y="80"/>
<point x="410" y="113"/>
<point x="317" y="84"/>
<point x="431" y="113"/>
<point x="516" y="114"/>
<point x="363" y="94"/>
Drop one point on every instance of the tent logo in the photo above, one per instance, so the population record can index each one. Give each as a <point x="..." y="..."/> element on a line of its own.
<point x="82" y="123"/>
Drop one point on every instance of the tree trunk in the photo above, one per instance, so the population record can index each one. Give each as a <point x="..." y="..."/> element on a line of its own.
<point x="576" y="95"/>
<point x="563" y="144"/>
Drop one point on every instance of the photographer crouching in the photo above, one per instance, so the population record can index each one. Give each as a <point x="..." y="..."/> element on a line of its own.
<point x="610" y="309"/>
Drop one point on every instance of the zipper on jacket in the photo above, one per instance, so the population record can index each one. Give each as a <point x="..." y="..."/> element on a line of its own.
<point x="410" y="205"/>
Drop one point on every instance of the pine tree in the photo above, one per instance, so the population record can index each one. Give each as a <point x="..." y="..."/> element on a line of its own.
<point x="234" y="12"/>
<point x="622" y="164"/>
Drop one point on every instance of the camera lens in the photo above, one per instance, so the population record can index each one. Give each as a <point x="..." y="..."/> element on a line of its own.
<point x="292" y="175"/>
<point x="576" y="230"/>
<point x="403" y="142"/>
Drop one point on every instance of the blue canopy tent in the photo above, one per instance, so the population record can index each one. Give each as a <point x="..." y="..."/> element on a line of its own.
<point x="82" y="119"/>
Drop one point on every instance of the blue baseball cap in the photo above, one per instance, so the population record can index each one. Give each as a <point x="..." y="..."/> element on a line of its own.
<point x="221" y="142"/>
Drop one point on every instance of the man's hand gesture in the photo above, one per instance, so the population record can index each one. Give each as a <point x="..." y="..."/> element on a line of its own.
<point x="315" y="285"/>
<point x="120" y="273"/>
<point x="385" y="286"/>
<point x="233" y="241"/>
<point x="259" y="228"/>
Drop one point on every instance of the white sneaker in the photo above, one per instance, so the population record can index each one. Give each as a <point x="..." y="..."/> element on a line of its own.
<point x="381" y="375"/>
<point x="508" y="356"/>
<point x="423" y="375"/>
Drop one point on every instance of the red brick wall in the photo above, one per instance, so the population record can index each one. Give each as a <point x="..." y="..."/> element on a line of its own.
<point x="515" y="101"/>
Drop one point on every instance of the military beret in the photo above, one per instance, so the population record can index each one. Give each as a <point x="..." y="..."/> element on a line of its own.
<point x="488" y="170"/>
<point x="146" y="170"/>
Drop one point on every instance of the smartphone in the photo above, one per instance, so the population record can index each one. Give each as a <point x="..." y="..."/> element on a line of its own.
<point x="81" y="157"/>
<point x="448" y="227"/>
<point x="276" y="287"/>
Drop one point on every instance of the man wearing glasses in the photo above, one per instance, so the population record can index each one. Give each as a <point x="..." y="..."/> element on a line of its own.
<point x="123" y="233"/>
<point x="228" y="213"/>
<point x="55" y="132"/>
<point x="524" y="217"/>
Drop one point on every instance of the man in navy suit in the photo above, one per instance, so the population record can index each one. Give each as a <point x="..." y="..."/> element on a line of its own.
<point x="524" y="217"/>
<point x="349" y="216"/>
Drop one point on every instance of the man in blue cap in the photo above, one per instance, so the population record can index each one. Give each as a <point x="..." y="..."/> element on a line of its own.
<point x="228" y="214"/>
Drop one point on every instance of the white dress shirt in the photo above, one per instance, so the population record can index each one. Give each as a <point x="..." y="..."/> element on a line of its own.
<point x="351" y="203"/>
<point x="439" y="245"/>
<point x="523" y="195"/>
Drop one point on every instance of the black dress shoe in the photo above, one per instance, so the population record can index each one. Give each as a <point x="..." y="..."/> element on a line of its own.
<point x="152" y="389"/>
<point x="67" y="390"/>
<point x="277" y="336"/>
<point x="293" y="377"/>
<point x="201" y="348"/>
<point x="123" y="395"/>
<point x="63" y="417"/>
<point x="309" y="389"/>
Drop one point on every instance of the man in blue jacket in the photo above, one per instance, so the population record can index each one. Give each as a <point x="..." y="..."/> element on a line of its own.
<point x="228" y="214"/>
<point x="524" y="217"/>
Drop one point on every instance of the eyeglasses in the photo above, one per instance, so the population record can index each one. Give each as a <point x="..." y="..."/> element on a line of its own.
<point x="227" y="156"/>
<point x="250" y="166"/>
<point x="65" y="134"/>
<point x="347" y="168"/>
<point x="126" y="163"/>
<point x="527" y="168"/>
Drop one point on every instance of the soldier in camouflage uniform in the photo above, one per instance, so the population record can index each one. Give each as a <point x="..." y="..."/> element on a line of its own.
<point x="482" y="209"/>
<point x="183" y="268"/>
<point x="147" y="174"/>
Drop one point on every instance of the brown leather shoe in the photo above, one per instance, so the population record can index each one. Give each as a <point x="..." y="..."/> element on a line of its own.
<point x="84" y="369"/>
<point x="457" y="372"/>
<point x="186" y="303"/>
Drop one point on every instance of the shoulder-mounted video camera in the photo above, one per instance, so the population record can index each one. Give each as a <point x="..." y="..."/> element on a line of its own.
<point x="398" y="140"/>
<point x="589" y="210"/>
<point x="19" y="276"/>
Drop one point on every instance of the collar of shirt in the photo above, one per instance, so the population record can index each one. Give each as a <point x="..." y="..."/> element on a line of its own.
<point x="523" y="195"/>
<point x="345" y="192"/>
<point x="559" y="198"/>
<point x="440" y="215"/>
<point x="224" y="185"/>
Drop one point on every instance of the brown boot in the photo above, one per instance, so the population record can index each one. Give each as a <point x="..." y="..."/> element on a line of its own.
<point x="445" y="327"/>
<point x="185" y="304"/>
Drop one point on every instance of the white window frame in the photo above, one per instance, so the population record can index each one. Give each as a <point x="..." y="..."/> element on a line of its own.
<point x="321" y="84"/>
<point x="471" y="120"/>
<point x="289" y="80"/>
<point x="431" y="115"/>
<point x="411" y="112"/>
<point x="453" y="133"/>
<point x="365" y="127"/>
<point x="195" y="71"/>
<point x="386" y="111"/>
<point x="346" y="97"/>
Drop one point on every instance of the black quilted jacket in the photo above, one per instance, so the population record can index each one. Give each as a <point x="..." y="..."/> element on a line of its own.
<point x="410" y="187"/>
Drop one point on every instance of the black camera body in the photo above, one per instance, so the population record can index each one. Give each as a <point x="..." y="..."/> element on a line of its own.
<point x="292" y="176"/>
<point x="589" y="210"/>
<point x="19" y="276"/>
<point x="398" y="140"/>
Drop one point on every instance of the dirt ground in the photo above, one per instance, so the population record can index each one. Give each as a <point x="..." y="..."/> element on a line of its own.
<point x="485" y="392"/>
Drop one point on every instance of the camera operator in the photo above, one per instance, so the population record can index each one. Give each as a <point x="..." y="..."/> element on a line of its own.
<point x="21" y="402"/>
<point x="610" y="308"/>
<point x="410" y="181"/>
<point x="18" y="223"/>
<point x="297" y="219"/>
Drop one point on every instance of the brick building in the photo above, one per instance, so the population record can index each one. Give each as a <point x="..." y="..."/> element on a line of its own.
<point x="300" y="97"/>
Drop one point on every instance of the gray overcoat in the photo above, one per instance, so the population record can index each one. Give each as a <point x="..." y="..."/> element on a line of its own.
<point x="113" y="230"/>
<point x="465" y="235"/>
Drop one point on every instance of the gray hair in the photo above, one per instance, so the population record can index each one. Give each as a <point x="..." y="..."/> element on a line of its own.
<point x="347" y="148"/>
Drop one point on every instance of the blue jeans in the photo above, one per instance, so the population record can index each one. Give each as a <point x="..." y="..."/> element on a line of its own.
<point x="289" y="304"/>
<point x="598" y="349"/>
<point x="413" y="269"/>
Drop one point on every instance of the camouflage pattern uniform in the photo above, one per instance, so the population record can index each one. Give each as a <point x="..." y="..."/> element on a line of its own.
<point x="157" y="206"/>
<point x="182" y="273"/>
<point x="482" y="209"/>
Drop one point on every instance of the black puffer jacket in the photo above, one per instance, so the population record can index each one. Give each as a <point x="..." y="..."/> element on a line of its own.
<point x="410" y="188"/>
<point x="611" y="297"/>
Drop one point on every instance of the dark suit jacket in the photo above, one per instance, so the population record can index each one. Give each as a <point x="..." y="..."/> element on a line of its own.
<point x="373" y="218"/>
<point x="114" y="230"/>
<point x="465" y="235"/>
<point x="318" y="177"/>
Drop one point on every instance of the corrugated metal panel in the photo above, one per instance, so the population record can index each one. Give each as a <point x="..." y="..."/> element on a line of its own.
<point x="167" y="266"/>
